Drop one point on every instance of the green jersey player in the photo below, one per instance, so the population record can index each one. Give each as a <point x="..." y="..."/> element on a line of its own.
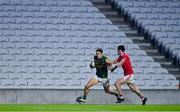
<point x="101" y="63"/>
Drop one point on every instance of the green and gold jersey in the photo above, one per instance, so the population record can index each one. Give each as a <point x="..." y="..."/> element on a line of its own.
<point x="101" y="67"/>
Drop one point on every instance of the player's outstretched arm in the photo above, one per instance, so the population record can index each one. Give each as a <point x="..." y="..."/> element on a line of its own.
<point x="118" y="65"/>
<point x="108" y="61"/>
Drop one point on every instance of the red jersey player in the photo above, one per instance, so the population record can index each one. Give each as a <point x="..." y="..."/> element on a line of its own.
<point x="124" y="61"/>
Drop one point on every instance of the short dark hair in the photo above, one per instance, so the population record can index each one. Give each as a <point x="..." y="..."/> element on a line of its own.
<point x="99" y="50"/>
<point x="121" y="47"/>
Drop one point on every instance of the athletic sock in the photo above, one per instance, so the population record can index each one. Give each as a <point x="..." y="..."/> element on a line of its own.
<point x="84" y="97"/>
<point x="116" y="94"/>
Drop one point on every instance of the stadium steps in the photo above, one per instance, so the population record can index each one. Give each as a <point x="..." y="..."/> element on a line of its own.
<point x="138" y="39"/>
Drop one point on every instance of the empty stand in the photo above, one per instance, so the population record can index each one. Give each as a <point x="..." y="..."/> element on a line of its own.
<point x="49" y="44"/>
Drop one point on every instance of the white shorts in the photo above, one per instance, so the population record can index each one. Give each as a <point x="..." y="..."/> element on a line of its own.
<point x="129" y="78"/>
<point x="104" y="81"/>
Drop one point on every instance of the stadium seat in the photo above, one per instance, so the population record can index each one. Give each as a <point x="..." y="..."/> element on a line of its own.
<point x="21" y="84"/>
<point x="3" y="77"/>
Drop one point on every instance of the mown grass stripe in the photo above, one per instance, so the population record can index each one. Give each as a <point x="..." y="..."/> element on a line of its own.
<point x="87" y="108"/>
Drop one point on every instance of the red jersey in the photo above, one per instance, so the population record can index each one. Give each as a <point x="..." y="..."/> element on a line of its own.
<point x="126" y="65"/>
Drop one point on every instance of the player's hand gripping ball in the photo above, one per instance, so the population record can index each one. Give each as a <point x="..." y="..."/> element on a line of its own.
<point x="92" y="65"/>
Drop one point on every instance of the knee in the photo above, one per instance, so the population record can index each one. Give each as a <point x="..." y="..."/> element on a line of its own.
<point x="86" y="87"/>
<point x="117" y="84"/>
<point x="106" y="90"/>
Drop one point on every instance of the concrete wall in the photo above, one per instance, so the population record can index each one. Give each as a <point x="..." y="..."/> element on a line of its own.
<point x="94" y="97"/>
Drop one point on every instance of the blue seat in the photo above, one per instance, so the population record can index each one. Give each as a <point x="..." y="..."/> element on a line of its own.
<point x="39" y="15"/>
<point x="21" y="59"/>
<point x="138" y="4"/>
<point x="169" y="11"/>
<point x="99" y="16"/>
<point x="21" y="21"/>
<point x="50" y="27"/>
<point x="15" y="14"/>
<point x="94" y="22"/>
<point x="16" y="3"/>
<point x="46" y="70"/>
<point x="64" y="3"/>
<point x="152" y="16"/>
<point x="125" y="4"/>
<point x="46" y="46"/>
<point x="89" y="28"/>
<point x="88" y="16"/>
<point x="76" y="15"/>
<point x="83" y="21"/>
<point x="106" y="22"/>
<point x="173" y="5"/>
<point x="138" y="17"/>
<point x="176" y="29"/>
<point x="84" y="46"/>
<point x="86" y="4"/>
<point x="9" y="8"/>
<point x="4" y="27"/>
<point x="163" y="4"/>
<point x="52" y="3"/>
<point x="113" y="28"/>
<point x="69" y="9"/>
<point x="65" y="28"/>
<point x="22" y="9"/>
<point x="40" y="3"/>
<point x="151" y="4"/>
<point x="28" y="15"/>
<point x="9" y="21"/>
<point x="34" y="84"/>
<point x="75" y="4"/>
<point x="52" y="15"/>
<point x="77" y="28"/>
<point x="33" y="9"/>
<point x="72" y="46"/>
<point x="34" y="21"/>
<point x="157" y="10"/>
<point x="167" y="29"/>
<point x="92" y="10"/>
<point x="70" y="21"/>
<point x="81" y="10"/>
<point x="48" y="84"/>
<point x="172" y="23"/>
<point x="58" y="21"/>
<point x="103" y="28"/>
<point x="57" y="9"/>
<point x="4" y="15"/>
<point x="8" y="83"/>
<point x="146" y="10"/>
<point x="44" y="56"/>
<point x="14" y="27"/>
<point x="165" y="16"/>
<point x="175" y="17"/>
<point x="28" y="3"/>
<point x="4" y="3"/>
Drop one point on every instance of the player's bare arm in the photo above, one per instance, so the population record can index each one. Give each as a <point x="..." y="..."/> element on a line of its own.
<point x="108" y="61"/>
<point x="121" y="62"/>
<point x="111" y="62"/>
<point x="118" y="65"/>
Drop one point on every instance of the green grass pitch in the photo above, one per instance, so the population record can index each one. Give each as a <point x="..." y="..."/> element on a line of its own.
<point x="87" y="108"/>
